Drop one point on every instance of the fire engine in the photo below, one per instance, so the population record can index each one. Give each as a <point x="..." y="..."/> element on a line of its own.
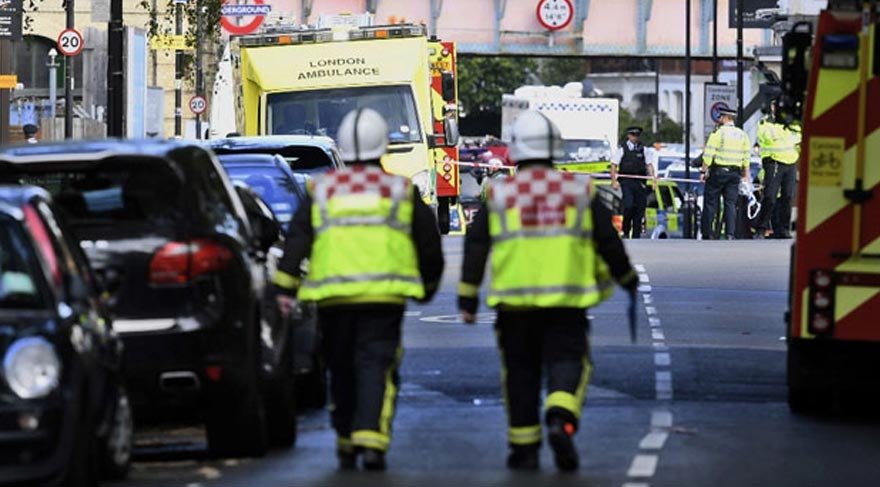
<point x="293" y="79"/>
<point x="834" y="319"/>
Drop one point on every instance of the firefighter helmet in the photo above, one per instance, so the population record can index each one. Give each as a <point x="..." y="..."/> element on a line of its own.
<point x="535" y="137"/>
<point x="363" y="135"/>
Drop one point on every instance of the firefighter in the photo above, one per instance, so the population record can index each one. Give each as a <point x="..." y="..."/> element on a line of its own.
<point x="779" y="154"/>
<point x="631" y="160"/>
<point x="725" y="165"/>
<point x="372" y="244"/>
<point x="549" y="243"/>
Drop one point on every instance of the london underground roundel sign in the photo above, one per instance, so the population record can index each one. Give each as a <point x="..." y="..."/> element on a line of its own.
<point x="257" y="11"/>
<point x="555" y="14"/>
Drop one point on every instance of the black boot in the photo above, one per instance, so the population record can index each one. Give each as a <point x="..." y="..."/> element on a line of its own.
<point x="373" y="460"/>
<point x="347" y="459"/>
<point x="523" y="457"/>
<point x="559" y="434"/>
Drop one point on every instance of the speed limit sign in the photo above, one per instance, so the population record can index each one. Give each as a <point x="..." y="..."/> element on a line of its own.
<point x="70" y="42"/>
<point x="198" y="104"/>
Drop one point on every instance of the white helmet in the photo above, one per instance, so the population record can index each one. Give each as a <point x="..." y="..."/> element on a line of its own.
<point x="362" y="135"/>
<point x="535" y="137"/>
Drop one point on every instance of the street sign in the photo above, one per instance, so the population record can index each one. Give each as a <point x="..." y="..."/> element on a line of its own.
<point x="10" y="19"/>
<point x="715" y="98"/>
<point x="555" y="14"/>
<point x="169" y="42"/>
<point x="258" y="11"/>
<point x="70" y="42"/>
<point x="198" y="104"/>
<point x="751" y="14"/>
<point x="8" y="81"/>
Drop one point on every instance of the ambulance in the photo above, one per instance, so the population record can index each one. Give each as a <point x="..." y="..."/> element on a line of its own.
<point x="833" y="333"/>
<point x="294" y="79"/>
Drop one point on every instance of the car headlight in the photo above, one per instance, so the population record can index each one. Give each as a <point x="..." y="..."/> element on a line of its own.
<point x="31" y="367"/>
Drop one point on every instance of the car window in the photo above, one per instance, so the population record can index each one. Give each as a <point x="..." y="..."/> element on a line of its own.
<point x="302" y="159"/>
<point x="20" y="280"/>
<point x="276" y="188"/>
<point x="117" y="198"/>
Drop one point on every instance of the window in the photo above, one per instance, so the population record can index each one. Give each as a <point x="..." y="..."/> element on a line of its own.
<point x="31" y="64"/>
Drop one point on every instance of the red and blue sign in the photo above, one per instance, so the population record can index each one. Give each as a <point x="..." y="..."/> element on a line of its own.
<point x="258" y="10"/>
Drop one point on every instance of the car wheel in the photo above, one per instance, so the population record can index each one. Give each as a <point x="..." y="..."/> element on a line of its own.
<point x="115" y="448"/>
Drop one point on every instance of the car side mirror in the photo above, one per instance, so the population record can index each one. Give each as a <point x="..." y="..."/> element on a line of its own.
<point x="450" y="127"/>
<point x="265" y="229"/>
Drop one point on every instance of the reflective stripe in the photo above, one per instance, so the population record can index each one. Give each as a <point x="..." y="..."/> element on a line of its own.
<point x="370" y="439"/>
<point x="285" y="280"/>
<point x="550" y="232"/>
<point x="362" y="278"/>
<point x="365" y="221"/>
<point x="524" y="435"/>
<point x="468" y="290"/>
<point x="563" y="400"/>
<point x="522" y="291"/>
<point x="390" y="397"/>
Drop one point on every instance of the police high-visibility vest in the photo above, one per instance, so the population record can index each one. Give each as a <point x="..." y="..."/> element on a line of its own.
<point x="728" y="146"/>
<point x="777" y="142"/>
<point x="363" y="249"/>
<point x="543" y="255"/>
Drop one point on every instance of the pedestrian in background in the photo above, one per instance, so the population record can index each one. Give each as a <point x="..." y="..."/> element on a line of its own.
<point x="30" y="133"/>
<point x="779" y="156"/>
<point x="630" y="159"/>
<point x="549" y="242"/>
<point x="372" y="244"/>
<point x="726" y="160"/>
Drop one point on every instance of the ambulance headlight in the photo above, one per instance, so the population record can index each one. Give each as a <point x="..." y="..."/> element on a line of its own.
<point x="31" y="368"/>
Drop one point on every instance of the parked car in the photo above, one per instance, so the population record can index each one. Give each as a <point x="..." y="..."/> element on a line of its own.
<point x="305" y="154"/>
<point x="65" y="416"/>
<point x="183" y="255"/>
<point x="663" y="214"/>
<point x="271" y="178"/>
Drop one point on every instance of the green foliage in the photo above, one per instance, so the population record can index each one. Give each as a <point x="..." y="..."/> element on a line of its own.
<point x="163" y="25"/>
<point x="559" y="71"/>
<point x="668" y="131"/>
<point x="482" y="81"/>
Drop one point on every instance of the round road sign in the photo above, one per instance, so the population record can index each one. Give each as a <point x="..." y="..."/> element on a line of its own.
<point x="70" y="42"/>
<point x="257" y="10"/>
<point x="716" y="110"/>
<point x="198" y="104"/>
<point x="555" y="14"/>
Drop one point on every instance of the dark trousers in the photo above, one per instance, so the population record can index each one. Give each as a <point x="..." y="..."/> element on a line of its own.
<point x="634" y="202"/>
<point x="554" y="340"/>
<point x="724" y="182"/>
<point x="362" y="351"/>
<point x="777" y="176"/>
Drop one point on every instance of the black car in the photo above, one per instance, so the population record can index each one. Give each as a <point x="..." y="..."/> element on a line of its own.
<point x="65" y="417"/>
<point x="183" y="255"/>
<point x="306" y="154"/>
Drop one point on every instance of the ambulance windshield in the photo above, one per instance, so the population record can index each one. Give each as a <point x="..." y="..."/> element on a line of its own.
<point x="319" y="112"/>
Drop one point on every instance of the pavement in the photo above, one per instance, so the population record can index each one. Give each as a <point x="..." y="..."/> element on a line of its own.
<point x="699" y="400"/>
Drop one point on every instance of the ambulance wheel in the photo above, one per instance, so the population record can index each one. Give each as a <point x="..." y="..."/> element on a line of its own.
<point x="443" y="215"/>
<point x="809" y="401"/>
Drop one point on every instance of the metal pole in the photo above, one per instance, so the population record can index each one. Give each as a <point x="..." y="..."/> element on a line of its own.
<point x="687" y="113"/>
<point x="68" y="77"/>
<point x="115" y="72"/>
<point x="739" y="62"/>
<point x="200" y="75"/>
<point x="656" y="97"/>
<point x="178" y="70"/>
<point x="5" y="98"/>
<point x="53" y="83"/>
<point x="714" y="41"/>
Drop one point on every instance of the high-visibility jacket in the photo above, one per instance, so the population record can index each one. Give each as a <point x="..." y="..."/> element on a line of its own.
<point x="363" y="249"/>
<point x="728" y="146"/>
<point x="777" y="142"/>
<point x="543" y="254"/>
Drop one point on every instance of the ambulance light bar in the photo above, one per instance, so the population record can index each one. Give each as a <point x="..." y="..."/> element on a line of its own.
<point x="313" y="36"/>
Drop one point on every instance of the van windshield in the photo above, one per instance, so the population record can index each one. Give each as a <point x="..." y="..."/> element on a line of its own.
<point x="319" y="112"/>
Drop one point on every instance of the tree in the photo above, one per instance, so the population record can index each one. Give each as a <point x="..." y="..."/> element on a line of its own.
<point x="668" y="131"/>
<point x="481" y="82"/>
<point x="559" y="71"/>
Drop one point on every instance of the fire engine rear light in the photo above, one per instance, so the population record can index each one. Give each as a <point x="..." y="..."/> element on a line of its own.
<point x="820" y="324"/>
<point x="178" y="263"/>
<point x="821" y="300"/>
<point x="821" y="279"/>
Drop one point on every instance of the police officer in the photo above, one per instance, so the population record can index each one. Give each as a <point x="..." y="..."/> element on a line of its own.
<point x="372" y="244"/>
<point x="779" y="154"/>
<point x="550" y="242"/>
<point x="725" y="165"/>
<point x="630" y="160"/>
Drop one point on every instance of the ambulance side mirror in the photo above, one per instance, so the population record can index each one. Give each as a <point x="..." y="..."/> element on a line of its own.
<point x="447" y="86"/>
<point x="450" y="128"/>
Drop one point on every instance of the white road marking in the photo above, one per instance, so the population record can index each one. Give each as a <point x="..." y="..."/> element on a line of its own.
<point x="654" y="440"/>
<point x="645" y="288"/>
<point x="639" y="268"/>
<point x="661" y="419"/>
<point x="643" y="278"/>
<point x="643" y="466"/>
<point x="657" y="334"/>
<point x="650" y="310"/>
<point x="662" y="359"/>
<point x="664" y="395"/>
<point x="636" y="484"/>
<point x="412" y="313"/>
<point x="648" y="298"/>
<point x="660" y="346"/>
<point x="209" y="473"/>
<point x="654" y="322"/>
<point x="663" y="376"/>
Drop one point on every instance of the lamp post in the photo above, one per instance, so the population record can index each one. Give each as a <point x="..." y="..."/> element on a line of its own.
<point x="53" y="83"/>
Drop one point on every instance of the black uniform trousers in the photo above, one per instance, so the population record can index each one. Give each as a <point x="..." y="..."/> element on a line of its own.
<point x="362" y="350"/>
<point x="722" y="181"/>
<point x="635" y="199"/>
<point x="777" y="176"/>
<point x="552" y="339"/>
